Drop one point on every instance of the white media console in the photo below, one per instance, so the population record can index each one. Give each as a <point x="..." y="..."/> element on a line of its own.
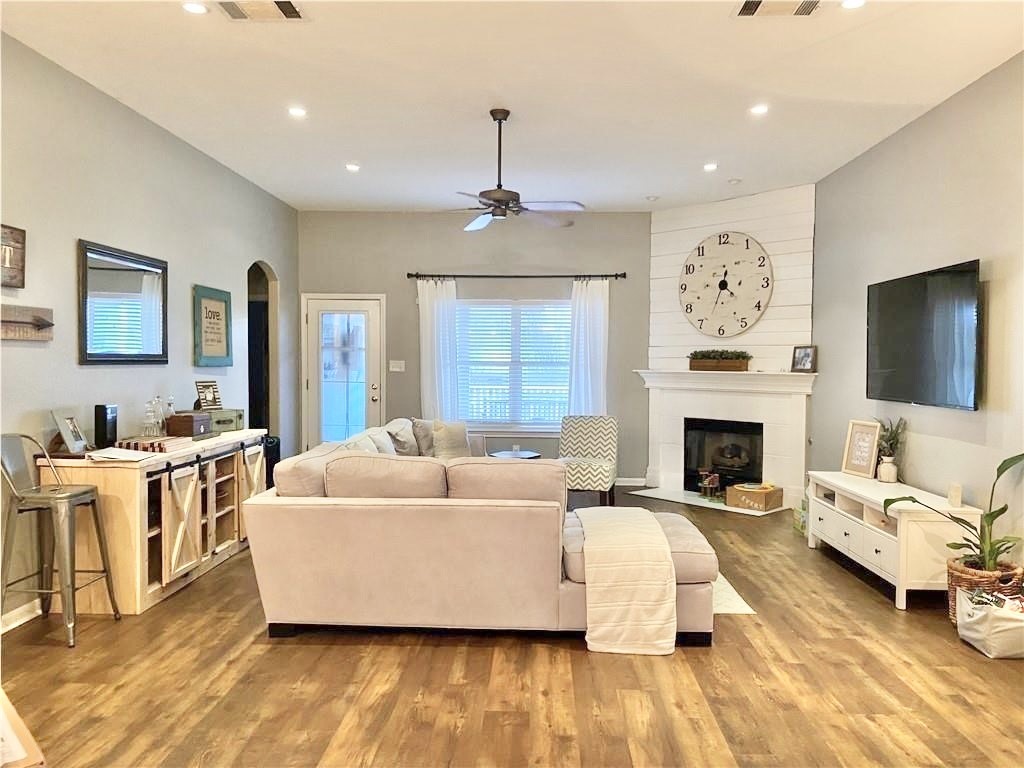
<point x="907" y="548"/>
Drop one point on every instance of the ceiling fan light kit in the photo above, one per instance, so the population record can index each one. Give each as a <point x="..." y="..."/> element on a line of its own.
<point x="498" y="203"/>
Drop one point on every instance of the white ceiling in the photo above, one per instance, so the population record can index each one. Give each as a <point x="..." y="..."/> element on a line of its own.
<point x="610" y="102"/>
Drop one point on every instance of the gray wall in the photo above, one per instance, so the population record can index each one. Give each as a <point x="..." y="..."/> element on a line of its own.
<point x="78" y="164"/>
<point x="371" y="253"/>
<point x="944" y="189"/>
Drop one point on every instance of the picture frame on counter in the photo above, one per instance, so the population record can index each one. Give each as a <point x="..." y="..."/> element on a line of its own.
<point x="71" y="433"/>
<point x="805" y="359"/>
<point x="860" y="453"/>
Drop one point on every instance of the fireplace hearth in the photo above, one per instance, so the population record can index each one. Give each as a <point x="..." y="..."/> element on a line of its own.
<point x="731" y="449"/>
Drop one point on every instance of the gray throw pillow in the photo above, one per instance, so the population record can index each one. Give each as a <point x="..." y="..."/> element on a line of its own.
<point x="403" y="437"/>
<point x="423" y="431"/>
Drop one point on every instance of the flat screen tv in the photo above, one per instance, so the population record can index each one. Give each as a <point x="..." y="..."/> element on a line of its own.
<point x="924" y="342"/>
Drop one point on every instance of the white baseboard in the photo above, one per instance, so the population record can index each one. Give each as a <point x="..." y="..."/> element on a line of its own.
<point x="21" y="614"/>
<point x="631" y="481"/>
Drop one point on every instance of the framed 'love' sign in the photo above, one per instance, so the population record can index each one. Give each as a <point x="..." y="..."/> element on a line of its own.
<point x="211" y="327"/>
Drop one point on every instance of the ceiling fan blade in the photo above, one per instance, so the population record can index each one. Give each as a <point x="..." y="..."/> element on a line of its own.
<point x="482" y="200"/>
<point x="555" y="206"/>
<point x="479" y="222"/>
<point x="548" y="219"/>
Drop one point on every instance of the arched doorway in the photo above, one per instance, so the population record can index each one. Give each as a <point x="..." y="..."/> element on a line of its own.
<point x="263" y="367"/>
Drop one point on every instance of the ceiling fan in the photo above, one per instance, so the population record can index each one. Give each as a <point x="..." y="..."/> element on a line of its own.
<point x="499" y="203"/>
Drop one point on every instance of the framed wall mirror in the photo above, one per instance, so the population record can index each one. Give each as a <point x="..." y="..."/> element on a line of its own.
<point x="122" y="313"/>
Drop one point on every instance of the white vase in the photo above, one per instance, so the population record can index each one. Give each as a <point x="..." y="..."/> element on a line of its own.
<point x="887" y="470"/>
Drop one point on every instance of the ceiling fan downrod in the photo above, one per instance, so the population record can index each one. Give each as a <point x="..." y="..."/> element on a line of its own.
<point x="499" y="116"/>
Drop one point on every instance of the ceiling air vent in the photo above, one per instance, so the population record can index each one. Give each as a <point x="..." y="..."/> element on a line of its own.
<point x="260" y="10"/>
<point x="777" y="8"/>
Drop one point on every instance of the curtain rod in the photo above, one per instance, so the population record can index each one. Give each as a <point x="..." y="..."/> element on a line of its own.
<point x="607" y="276"/>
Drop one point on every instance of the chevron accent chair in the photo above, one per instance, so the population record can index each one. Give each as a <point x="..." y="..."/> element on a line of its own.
<point x="589" y="448"/>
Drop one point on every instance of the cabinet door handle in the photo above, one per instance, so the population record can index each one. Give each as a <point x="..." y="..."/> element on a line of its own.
<point x="821" y="519"/>
<point x="846" y="533"/>
<point x="878" y="551"/>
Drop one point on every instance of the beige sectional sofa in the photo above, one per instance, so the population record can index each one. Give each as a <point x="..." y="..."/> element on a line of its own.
<point x="363" y="539"/>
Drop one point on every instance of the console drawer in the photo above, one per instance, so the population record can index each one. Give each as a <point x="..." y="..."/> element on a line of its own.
<point x="823" y="521"/>
<point x="849" y="534"/>
<point x="880" y="551"/>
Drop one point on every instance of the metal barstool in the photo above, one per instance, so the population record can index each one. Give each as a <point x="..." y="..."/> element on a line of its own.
<point x="56" y="530"/>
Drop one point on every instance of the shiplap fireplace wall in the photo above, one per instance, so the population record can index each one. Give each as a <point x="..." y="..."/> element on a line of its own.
<point x="783" y="222"/>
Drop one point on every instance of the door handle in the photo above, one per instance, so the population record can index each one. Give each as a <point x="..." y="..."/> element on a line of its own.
<point x="374" y="399"/>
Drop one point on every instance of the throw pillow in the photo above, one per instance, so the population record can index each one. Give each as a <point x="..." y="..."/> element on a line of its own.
<point x="382" y="440"/>
<point x="451" y="440"/>
<point x="402" y="437"/>
<point x="361" y="443"/>
<point x="423" y="430"/>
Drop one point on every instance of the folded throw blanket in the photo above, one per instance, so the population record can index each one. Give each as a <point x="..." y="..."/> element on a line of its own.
<point x="631" y="582"/>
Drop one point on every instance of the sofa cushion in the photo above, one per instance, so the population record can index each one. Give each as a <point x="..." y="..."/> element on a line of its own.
<point x="485" y="478"/>
<point x="423" y="431"/>
<point x="303" y="475"/>
<point x="450" y="440"/>
<point x="694" y="559"/>
<point x="359" y="475"/>
<point x="381" y="441"/>
<point x="402" y="437"/>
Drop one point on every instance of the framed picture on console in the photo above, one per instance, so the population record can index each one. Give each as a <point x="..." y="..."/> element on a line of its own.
<point x="860" y="454"/>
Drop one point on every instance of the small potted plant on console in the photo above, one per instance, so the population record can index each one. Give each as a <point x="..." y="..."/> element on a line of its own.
<point x="719" y="360"/>
<point x="980" y="566"/>
<point x="890" y="438"/>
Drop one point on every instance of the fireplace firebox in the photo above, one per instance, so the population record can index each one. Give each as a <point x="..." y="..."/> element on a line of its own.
<point x="732" y="449"/>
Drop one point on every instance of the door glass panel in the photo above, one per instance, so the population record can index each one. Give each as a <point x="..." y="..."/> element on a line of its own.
<point x="342" y="374"/>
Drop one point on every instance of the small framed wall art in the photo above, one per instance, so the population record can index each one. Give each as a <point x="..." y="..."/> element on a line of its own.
<point x="805" y="359"/>
<point x="860" y="454"/>
<point x="211" y="327"/>
<point x="12" y="257"/>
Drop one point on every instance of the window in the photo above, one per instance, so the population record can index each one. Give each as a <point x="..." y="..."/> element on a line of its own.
<point x="115" y="323"/>
<point x="513" y="361"/>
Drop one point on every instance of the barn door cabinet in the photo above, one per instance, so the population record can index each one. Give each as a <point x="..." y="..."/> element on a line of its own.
<point x="169" y="518"/>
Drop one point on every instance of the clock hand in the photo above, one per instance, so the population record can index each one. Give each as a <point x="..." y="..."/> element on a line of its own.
<point x="716" y="302"/>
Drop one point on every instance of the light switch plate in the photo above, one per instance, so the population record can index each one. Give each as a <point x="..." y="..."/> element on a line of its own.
<point x="396" y="366"/>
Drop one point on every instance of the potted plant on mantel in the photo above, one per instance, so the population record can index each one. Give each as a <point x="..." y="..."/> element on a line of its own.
<point x="719" y="360"/>
<point x="889" y="440"/>
<point x="979" y="567"/>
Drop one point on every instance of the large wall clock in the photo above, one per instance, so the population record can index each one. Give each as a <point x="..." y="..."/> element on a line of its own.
<point x="726" y="284"/>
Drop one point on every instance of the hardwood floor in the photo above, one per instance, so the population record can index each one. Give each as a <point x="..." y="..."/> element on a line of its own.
<point x="827" y="673"/>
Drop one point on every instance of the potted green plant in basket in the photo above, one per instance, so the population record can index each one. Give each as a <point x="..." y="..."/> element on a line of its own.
<point x="889" y="440"/>
<point x="980" y="566"/>
<point x="719" y="360"/>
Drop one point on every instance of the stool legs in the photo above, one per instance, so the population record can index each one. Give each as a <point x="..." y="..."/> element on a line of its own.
<point x="101" y="538"/>
<point x="11" y="524"/>
<point x="64" y="536"/>
<point x="44" y="522"/>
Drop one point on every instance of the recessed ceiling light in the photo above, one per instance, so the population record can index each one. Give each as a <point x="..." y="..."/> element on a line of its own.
<point x="759" y="109"/>
<point x="196" y="8"/>
<point x="352" y="167"/>
<point x="735" y="181"/>
<point x="652" y="198"/>
<point x="297" y="112"/>
<point x="851" y="4"/>
<point x="709" y="167"/>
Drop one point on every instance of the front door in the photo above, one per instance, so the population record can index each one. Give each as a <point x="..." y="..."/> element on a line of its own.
<point x="343" y="363"/>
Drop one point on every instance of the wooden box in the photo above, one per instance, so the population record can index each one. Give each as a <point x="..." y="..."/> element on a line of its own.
<point x="224" y="419"/>
<point x="194" y="424"/>
<point x="719" y="365"/>
<point x="761" y="500"/>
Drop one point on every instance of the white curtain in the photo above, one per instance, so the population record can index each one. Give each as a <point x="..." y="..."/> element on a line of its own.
<point x="152" y="316"/>
<point x="439" y="390"/>
<point x="588" y="366"/>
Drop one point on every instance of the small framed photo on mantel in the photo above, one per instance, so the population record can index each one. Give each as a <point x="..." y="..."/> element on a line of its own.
<point x="211" y="327"/>
<point x="860" y="455"/>
<point x="805" y="359"/>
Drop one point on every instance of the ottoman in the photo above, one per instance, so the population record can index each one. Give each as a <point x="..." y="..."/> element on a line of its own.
<point x="696" y="566"/>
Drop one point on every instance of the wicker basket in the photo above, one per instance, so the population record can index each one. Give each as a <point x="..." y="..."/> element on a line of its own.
<point x="1003" y="582"/>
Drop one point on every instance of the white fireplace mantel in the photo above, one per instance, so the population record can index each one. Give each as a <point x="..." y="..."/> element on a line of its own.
<point x="777" y="400"/>
<point x="731" y="381"/>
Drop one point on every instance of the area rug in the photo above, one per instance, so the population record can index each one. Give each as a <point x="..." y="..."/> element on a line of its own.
<point x="695" y="499"/>
<point x="727" y="599"/>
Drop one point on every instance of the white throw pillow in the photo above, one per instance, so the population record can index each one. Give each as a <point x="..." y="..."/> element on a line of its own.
<point x="382" y="440"/>
<point x="403" y="437"/>
<point x="360" y="442"/>
<point x="451" y="440"/>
